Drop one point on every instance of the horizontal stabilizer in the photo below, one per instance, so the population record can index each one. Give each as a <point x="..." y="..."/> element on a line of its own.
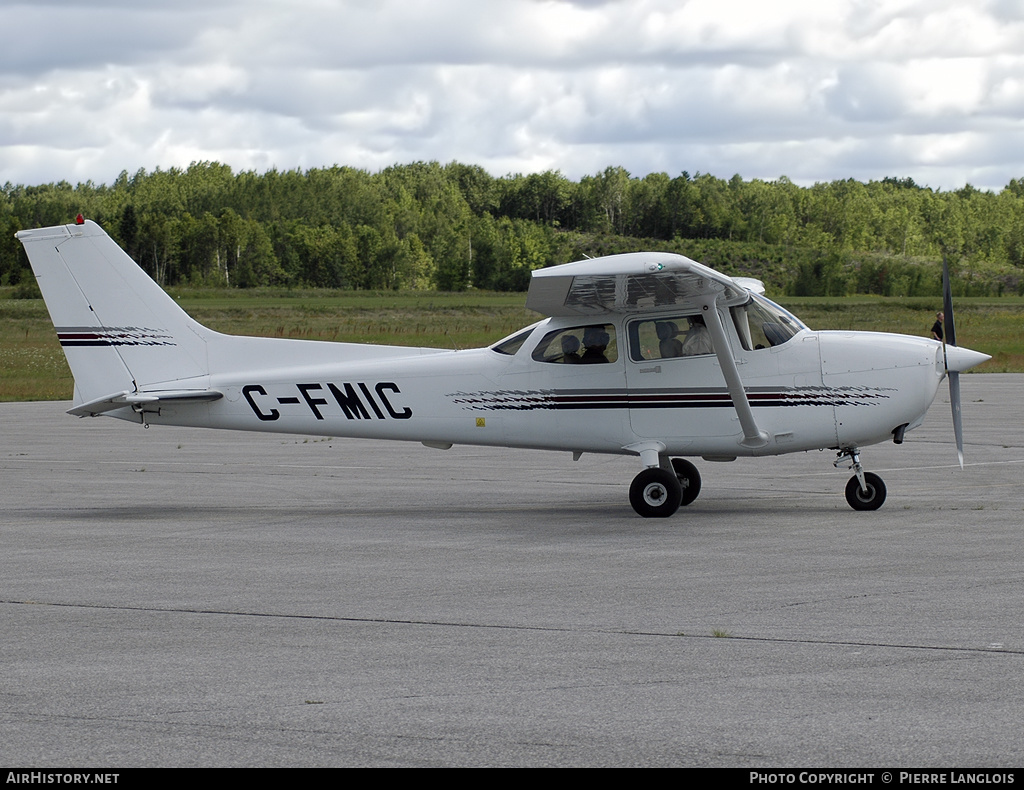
<point x="119" y="400"/>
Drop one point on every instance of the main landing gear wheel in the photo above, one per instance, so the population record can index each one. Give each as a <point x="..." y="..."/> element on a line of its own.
<point x="655" y="493"/>
<point x="689" y="480"/>
<point x="871" y="499"/>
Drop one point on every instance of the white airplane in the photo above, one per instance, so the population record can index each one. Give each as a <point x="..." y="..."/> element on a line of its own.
<point x="646" y="354"/>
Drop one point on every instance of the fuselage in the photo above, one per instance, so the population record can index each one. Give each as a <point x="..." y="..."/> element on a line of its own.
<point x="807" y="389"/>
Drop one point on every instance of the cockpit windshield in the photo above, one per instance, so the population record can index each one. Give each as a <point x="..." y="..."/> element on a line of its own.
<point x="761" y="323"/>
<point x="510" y="345"/>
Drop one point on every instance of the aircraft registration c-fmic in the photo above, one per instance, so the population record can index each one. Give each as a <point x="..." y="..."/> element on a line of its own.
<point x="646" y="354"/>
<point x="348" y="399"/>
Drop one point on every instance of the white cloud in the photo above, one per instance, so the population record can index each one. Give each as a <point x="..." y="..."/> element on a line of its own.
<point x="812" y="90"/>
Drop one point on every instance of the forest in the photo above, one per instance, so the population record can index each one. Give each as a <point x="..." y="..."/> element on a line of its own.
<point x="452" y="227"/>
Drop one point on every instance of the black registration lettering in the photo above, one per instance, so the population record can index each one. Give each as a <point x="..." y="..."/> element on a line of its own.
<point x="313" y="402"/>
<point x="405" y="414"/>
<point x="349" y="402"/>
<point x="247" y="392"/>
<point x="371" y="401"/>
<point x="347" y="395"/>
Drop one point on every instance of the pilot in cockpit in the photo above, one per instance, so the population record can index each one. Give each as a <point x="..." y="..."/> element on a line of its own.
<point x="698" y="339"/>
<point x="595" y="342"/>
<point x="570" y="349"/>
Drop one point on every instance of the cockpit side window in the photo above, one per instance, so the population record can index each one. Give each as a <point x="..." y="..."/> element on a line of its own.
<point x="579" y="345"/>
<point x="760" y="323"/>
<point x="666" y="338"/>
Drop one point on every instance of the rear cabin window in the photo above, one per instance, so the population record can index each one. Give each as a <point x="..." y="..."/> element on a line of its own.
<point x="579" y="345"/>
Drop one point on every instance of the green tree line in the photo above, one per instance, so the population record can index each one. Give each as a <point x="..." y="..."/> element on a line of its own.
<point x="454" y="226"/>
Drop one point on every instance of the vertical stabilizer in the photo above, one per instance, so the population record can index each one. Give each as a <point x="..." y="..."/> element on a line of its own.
<point x="118" y="329"/>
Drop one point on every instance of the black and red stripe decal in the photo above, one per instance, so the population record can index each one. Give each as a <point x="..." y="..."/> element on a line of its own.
<point x="76" y="336"/>
<point x="513" y="400"/>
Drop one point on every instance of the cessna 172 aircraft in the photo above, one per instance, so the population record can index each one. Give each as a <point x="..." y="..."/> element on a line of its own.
<point x="649" y="354"/>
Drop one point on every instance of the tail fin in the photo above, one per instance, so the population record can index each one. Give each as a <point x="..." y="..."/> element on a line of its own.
<point x="120" y="332"/>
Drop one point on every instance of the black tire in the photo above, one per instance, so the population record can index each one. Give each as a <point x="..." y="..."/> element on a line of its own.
<point x="689" y="480"/>
<point x="870" y="500"/>
<point x="655" y="493"/>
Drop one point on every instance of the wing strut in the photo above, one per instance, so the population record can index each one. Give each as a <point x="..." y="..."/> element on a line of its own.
<point x="752" y="435"/>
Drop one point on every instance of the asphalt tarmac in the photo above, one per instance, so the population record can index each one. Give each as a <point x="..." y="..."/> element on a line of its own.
<point x="177" y="597"/>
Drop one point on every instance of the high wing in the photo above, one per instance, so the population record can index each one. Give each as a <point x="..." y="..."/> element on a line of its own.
<point x="634" y="283"/>
<point x="643" y="281"/>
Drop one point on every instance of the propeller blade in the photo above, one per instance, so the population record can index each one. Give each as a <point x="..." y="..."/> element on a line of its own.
<point x="949" y="338"/>
<point x="958" y="426"/>
<point x="948" y="328"/>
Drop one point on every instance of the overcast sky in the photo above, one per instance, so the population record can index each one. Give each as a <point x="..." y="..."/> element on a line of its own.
<point x="814" y="90"/>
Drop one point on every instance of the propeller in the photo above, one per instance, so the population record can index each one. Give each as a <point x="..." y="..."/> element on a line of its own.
<point x="949" y="339"/>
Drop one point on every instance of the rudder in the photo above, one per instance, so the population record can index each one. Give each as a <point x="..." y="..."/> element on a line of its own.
<point x="117" y="327"/>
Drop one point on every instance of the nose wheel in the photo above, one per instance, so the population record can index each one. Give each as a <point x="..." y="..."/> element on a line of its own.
<point x="870" y="499"/>
<point x="865" y="490"/>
